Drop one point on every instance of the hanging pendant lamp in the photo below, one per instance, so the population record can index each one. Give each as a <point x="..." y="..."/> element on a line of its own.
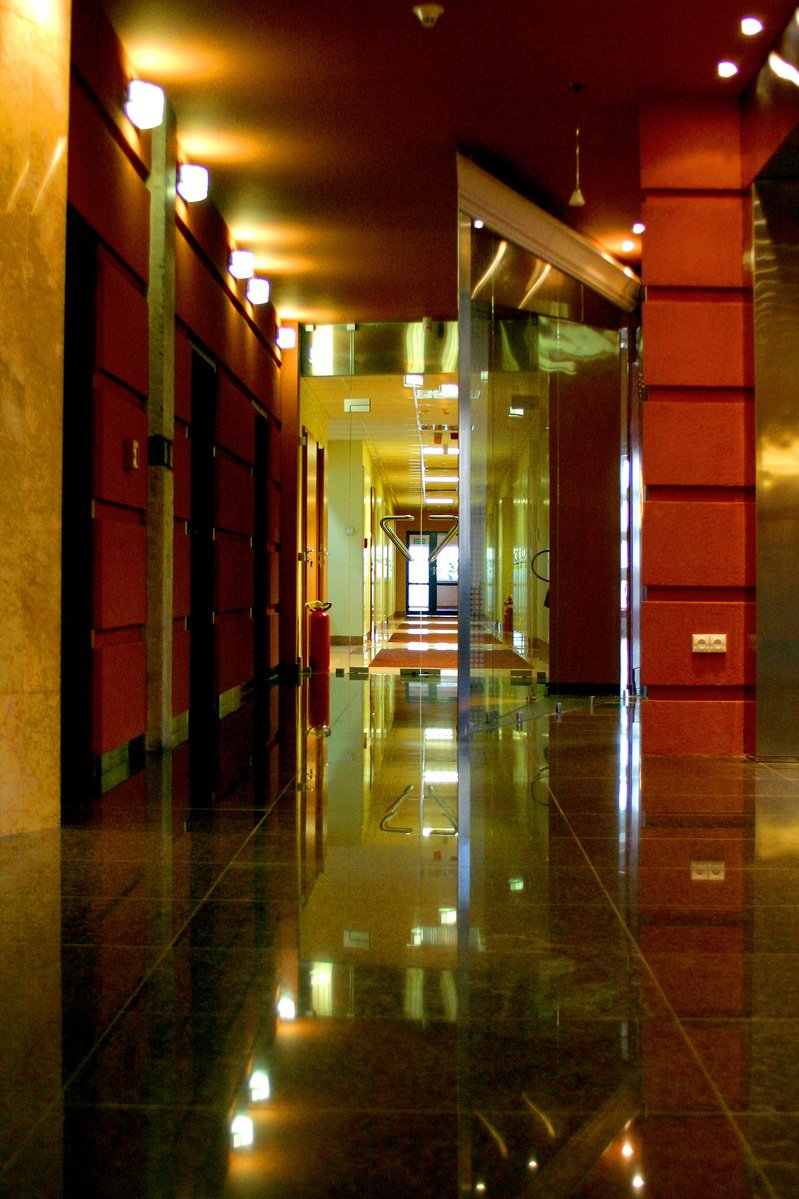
<point x="577" y="199"/>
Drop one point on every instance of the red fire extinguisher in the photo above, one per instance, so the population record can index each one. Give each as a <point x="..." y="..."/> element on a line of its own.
<point x="318" y="635"/>
<point x="507" y="615"/>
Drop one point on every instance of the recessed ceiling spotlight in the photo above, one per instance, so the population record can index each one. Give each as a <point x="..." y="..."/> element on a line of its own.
<point x="727" y="69"/>
<point x="751" y="26"/>
<point x="628" y="245"/>
<point x="478" y="224"/>
<point x="639" y="227"/>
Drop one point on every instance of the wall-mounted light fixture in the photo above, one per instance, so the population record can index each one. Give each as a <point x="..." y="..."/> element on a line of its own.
<point x="286" y="337"/>
<point x="192" y="182"/>
<point x="258" y="291"/>
<point x="241" y="264"/>
<point x="144" y="104"/>
<point x="784" y="69"/>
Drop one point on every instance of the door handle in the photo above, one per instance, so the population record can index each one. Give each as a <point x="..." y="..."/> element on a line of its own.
<point x="450" y="532"/>
<point x="392" y="536"/>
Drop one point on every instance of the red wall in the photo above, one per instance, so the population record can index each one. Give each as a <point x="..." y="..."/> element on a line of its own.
<point x="698" y="431"/>
<point x="108" y="169"/>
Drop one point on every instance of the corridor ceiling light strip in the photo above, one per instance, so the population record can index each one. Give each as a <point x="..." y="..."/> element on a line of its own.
<point x="783" y="69"/>
<point x="144" y="104"/>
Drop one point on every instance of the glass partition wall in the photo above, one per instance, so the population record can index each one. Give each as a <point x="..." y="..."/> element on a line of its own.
<point x="546" y="553"/>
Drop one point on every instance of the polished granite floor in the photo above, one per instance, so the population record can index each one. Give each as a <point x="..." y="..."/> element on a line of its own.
<point x="311" y="973"/>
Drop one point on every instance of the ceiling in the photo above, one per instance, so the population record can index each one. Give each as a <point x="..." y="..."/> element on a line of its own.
<point x="400" y="421"/>
<point x="331" y="127"/>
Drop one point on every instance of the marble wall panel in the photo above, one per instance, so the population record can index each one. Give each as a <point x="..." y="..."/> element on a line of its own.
<point x="34" y="74"/>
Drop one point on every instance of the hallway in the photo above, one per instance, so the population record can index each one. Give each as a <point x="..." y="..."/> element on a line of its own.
<point x="583" y="986"/>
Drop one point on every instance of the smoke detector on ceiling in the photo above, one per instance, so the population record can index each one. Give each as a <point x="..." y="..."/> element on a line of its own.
<point x="428" y="14"/>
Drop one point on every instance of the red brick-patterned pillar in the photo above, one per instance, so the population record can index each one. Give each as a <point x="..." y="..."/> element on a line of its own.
<point x="698" y="431"/>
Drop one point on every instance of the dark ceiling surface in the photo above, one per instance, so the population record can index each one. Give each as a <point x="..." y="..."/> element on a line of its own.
<point x="330" y="127"/>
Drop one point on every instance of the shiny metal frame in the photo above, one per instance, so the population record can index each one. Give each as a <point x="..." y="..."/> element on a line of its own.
<point x="776" y="295"/>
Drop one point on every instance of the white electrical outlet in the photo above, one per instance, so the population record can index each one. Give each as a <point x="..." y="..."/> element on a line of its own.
<point x="709" y="643"/>
<point x="707" y="872"/>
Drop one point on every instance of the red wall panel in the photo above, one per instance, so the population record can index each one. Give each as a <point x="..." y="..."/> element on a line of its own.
<point x="698" y="726"/>
<point x="666" y="630"/>
<point x="234" y="574"/>
<point x="697" y="343"/>
<point x="235" y="496"/>
<point x="181" y="603"/>
<point x="691" y="144"/>
<point x="235" y="419"/>
<point x="120" y="690"/>
<point x="122" y="327"/>
<point x="120" y="424"/>
<point x="104" y="185"/>
<point x="698" y="544"/>
<point x="694" y="241"/>
<point x="693" y="443"/>
<point x="120" y="578"/>
<point x="234" y="652"/>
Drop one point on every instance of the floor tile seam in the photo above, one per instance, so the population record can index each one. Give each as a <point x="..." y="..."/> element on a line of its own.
<point x="694" y="1053"/>
<point x="26" y="1139"/>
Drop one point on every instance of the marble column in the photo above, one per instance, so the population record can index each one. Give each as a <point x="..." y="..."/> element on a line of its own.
<point x="34" y="91"/>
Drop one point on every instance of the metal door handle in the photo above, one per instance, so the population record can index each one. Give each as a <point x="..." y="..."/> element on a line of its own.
<point x="392" y="536"/>
<point x="450" y="532"/>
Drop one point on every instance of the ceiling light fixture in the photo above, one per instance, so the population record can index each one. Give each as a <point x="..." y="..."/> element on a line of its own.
<point x="428" y="14"/>
<point x="628" y="245"/>
<point x="258" y="291"/>
<point x="639" y="227"/>
<point x="751" y="26"/>
<point x="192" y="182"/>
<point x="144" y="104"/>
<point x="241" y="264"/>
<point x="286" y="337"/>
<point x="727" y="69"/>
<point x="577" y="199"/>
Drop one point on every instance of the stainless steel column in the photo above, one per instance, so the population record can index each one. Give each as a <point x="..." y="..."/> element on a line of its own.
<point x="776" y="292"/>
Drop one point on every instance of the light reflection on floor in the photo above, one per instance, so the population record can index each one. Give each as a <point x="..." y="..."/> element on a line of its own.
<point x="290" y="986"/>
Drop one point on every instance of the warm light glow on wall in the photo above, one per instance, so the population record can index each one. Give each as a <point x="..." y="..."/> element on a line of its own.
<point x="144" y="104"/>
